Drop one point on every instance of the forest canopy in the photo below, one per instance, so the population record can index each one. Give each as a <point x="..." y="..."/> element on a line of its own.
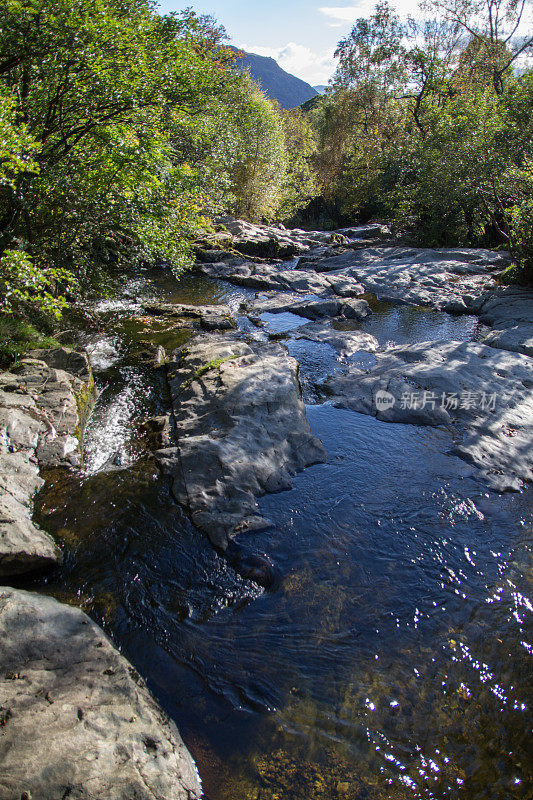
<point x="123" y="133"/>
<point x="430" y="124"/>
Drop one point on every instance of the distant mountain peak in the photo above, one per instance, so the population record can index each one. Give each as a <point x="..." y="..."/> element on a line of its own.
<point x="275" y="82"/>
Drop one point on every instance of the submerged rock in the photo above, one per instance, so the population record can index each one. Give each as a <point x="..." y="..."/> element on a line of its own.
<point x="42" y="411"/>
<point x="241" y="429"/>
<point x="77" y="720"/>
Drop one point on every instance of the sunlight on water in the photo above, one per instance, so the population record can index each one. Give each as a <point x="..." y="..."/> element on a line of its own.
<point x="393" y="660"/>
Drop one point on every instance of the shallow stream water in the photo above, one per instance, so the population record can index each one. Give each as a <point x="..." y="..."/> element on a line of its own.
<point x="392" y="659"/>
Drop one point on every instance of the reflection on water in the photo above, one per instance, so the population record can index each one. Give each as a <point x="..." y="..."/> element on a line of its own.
<point x="394" y="659"/>
<point x="409" y="324"/>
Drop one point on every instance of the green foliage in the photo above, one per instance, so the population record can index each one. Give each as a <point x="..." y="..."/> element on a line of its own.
<point x="433" y="129"/>
<point x="103" y="87"/>
<point x="17" y="147"/>
<point x="299" y="185"/>
<point x="260" y="167"/>
<point x="521" y="225"/>
<point x="121" y="132"/>
<point x="18" y="336"/>
<point x="22" y="283"/>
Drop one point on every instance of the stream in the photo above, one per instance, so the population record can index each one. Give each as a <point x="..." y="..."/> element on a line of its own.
<point x="391" y="657"/>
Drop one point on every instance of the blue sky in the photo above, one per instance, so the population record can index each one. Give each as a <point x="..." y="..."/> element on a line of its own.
<point x="300" y="34"/>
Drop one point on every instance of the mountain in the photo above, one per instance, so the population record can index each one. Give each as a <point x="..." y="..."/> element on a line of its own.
<point x="277" y="84"/>
<point x="320" y="89"/>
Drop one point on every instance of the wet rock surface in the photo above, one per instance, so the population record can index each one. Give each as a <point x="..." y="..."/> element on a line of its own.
<point x="209" y="318"/>
<point x="77" y="720"/>
<point x="345" y="342"/>
<point x="329" y="283"/>
<point x="41" y="412"/>
<point x="241" y="431"/>
<point x="310" y="306"/>
<point x="485" y="391"/>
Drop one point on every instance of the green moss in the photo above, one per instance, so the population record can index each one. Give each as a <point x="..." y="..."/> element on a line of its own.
<point x="513" y="274"/>
<point x="216" y="363"/>
<point x="84" y="400"/>
<point x="18" y="336"/>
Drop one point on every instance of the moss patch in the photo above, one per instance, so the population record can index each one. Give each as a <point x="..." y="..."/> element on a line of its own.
<point x="216" y="363"/>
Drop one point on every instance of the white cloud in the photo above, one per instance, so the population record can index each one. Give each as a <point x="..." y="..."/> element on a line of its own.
<point x="314" y="67"/>
<point x="343" y="15"/>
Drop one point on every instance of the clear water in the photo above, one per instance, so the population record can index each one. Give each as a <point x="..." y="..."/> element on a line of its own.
<point x="392" y="660"/>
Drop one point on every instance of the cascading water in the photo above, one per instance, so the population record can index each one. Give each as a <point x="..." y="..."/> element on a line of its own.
<point x="390" y="662"/>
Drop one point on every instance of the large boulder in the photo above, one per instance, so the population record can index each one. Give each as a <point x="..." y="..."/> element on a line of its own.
<point x="77" y="720"/>
<point x="241" y="430"/>
<point x="42" y="410"/>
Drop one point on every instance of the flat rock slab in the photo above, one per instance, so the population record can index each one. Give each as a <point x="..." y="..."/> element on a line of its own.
<point x="77" y="721"/>
<point x="311" y="306"/>
<point x="41" y="413"/>
<point x="252" y="276"/>
<point x="277" y="277"/>
<point x="346" y="343"/>
<point x="241" y="430"/>
<point x="486" y="391"/>
<point x="509" y="311"/>
<point x="446" y="279"/>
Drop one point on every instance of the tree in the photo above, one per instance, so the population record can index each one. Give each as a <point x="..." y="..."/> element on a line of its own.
<point x="104" y="87"/>
<point x="299" y="185"/>
<point x="260" y="167"/>
<point x="495" y="27"/>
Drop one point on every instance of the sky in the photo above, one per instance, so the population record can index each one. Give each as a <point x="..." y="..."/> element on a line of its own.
<point x="300" y="34"/>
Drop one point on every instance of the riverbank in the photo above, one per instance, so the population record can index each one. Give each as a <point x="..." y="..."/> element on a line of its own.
<point x="76" y="718"/>
<point x="235" y="427"/>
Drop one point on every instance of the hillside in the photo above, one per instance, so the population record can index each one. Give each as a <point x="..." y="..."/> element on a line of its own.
<point x="277" y="84"/>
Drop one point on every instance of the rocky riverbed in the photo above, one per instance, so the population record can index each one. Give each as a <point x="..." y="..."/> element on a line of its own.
<point x="303" y="327"/>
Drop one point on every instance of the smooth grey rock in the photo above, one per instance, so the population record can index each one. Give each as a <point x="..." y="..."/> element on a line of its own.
<point x="374" y="230"/>
<point x="420" y="276"/>
<point x="355" y="309"/>
<point x="509" y="311"/>
<point x="493" y="400"/>
<point x="209" y="318"/>
<point x="253" y="276"/>
<point x="72" y="361"/>
<point x="344" y="286"/>
<point x="317" y="309"/>
<point x="77" y="720"/>
<point x="310" y="307"/>
<point x="41" y="415"/>
<point x="301" y="281"/>
<point x="518" y="339"/>
<point x="241" y="428"/>
<point x="346" y="343"/>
